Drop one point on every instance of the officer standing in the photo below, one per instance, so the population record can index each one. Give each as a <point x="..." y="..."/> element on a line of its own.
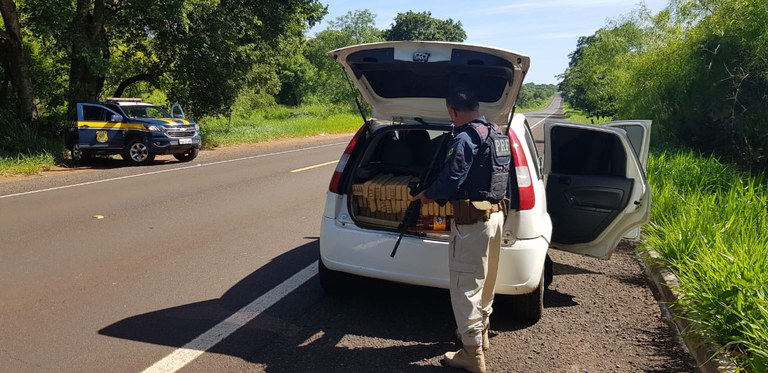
<point x="466" y="181"/>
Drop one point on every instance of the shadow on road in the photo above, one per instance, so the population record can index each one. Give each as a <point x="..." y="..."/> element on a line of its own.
<point x="383" y="326"/>
<point x="307" y="330"/>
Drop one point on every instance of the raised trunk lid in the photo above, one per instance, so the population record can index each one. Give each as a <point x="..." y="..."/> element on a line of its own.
<point x="409" y="79"/>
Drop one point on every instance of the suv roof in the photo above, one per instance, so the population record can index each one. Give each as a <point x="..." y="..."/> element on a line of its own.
<point x="127" y="101"/>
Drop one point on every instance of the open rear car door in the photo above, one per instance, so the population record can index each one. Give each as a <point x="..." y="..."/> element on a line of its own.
<point x="595" y="184"/>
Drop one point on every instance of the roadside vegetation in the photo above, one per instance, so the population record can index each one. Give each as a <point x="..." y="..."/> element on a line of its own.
<point x="699" y="70"/>
<point x="580" y="116"/>
<point x="708" y="223"/>
<point x="276" y="82"/>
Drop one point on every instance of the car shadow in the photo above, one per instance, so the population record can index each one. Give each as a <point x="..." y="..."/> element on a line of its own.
<point x="306" y="326"/>
<point x="566" y="269"/>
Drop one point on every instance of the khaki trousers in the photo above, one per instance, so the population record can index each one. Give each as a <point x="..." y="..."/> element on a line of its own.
<point x="473" y="262"/>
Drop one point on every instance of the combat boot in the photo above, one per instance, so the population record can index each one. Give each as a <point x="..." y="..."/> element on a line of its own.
<point x="469" y="358"/>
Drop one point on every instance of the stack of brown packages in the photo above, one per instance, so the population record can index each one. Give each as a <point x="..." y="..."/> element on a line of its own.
<point x="387" y="197"/>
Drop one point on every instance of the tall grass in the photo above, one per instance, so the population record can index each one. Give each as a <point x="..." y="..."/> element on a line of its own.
<point x="710" y="224"/>
<point x="278" y="122"/>
<point x="578" y="116"/>
<point x="23" y="150"/>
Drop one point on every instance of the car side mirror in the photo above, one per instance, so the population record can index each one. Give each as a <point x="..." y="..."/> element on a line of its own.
<point x="116" y="118"/>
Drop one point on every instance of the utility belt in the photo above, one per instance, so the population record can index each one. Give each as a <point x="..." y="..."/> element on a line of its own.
<point x="470" y="212"/>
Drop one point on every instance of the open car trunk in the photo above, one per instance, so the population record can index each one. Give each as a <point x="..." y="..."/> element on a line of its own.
<point x="389" y="168"/>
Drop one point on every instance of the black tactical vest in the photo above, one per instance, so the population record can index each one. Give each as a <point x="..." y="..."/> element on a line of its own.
<point x="489" y="175"/>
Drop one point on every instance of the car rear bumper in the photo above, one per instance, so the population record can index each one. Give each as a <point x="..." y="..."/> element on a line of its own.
<point x="421" y="261"/>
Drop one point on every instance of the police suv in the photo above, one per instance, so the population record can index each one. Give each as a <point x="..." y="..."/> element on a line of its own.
<point x="587" y="192"/>
<point x="134" y="129"/>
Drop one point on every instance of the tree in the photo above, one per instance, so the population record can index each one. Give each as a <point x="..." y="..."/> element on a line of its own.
<point x="359" y="25"/>
<point x="316" y="77"/>
<point x="15" y="63"/>
<point x="422" y="26"/>
<point x="202" y="52"/>
<point x="594" y="79"/>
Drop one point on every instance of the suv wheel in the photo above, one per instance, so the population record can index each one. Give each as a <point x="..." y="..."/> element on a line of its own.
<point x="187" y="155"/>
<point x="529" y="307"/>
<point x="78" y="154"/>
<point x="137" y="153"/>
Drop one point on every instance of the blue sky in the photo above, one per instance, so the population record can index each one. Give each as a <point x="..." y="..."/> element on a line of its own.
<point x="545" y="30"/>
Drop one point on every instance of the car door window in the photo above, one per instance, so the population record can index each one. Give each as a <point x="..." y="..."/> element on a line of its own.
<point x="587" y="153"/>
<point x="93" y="113"/>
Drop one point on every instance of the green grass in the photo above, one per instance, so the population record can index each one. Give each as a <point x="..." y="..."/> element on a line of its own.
<point x="26" y="164"/>
<point x="579" y="116"/>
<point x="709" y="223"/>
<point x="276" y="123"/>
<point x="536" y="106"/>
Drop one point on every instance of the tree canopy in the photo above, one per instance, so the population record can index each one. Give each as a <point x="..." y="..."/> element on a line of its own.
<point x="422" y="26"/>
<point x="201" y="52"/>
<point x="699" y="69"/>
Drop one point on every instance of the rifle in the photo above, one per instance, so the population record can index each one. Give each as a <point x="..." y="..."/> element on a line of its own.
<point x="412" y="212"/>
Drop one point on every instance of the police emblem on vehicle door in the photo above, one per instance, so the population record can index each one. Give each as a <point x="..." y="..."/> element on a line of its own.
<point x="101" y="136"/>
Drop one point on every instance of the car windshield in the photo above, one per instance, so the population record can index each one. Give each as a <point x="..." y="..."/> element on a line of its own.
<point x="145" y="111"/>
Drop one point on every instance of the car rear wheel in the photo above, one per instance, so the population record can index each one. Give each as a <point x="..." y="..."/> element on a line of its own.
<point x="137" y="153"/>
<point x="78" y="154"/>
<point x="549" y="272"/>
<point x="333" y="282"/>
<point x="529" y="307"/>
<point x="187" y="155"/>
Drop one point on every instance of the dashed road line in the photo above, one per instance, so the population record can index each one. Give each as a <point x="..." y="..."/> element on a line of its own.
<point x="314" y="166"/>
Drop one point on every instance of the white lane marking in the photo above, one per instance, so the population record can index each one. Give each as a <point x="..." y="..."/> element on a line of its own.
<point x="545" y="118"/>
<point x="315" y="166"/>
<point x="169" y="170"/>
<point x="190" y="351"/>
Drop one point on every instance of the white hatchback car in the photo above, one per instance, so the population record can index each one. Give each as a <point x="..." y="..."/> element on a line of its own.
<point x="589" y="192"/>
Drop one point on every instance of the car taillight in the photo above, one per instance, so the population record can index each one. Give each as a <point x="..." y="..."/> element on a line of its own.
<point x="524" y="182"/>
<point x="335" y="186"/>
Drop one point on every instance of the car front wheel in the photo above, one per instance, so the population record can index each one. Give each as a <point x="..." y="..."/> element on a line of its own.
<point x="187" y="155"/>
<point x="137" y="153"/>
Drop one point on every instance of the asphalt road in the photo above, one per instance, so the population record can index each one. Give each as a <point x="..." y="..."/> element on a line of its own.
<point x="211" y="266"/>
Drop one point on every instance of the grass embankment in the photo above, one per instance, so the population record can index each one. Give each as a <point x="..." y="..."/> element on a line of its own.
<point x="709" y="223"/>
<point x="540" y="105"/>
<point x="578" y="116"/>
<point x="278" y="122"/>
